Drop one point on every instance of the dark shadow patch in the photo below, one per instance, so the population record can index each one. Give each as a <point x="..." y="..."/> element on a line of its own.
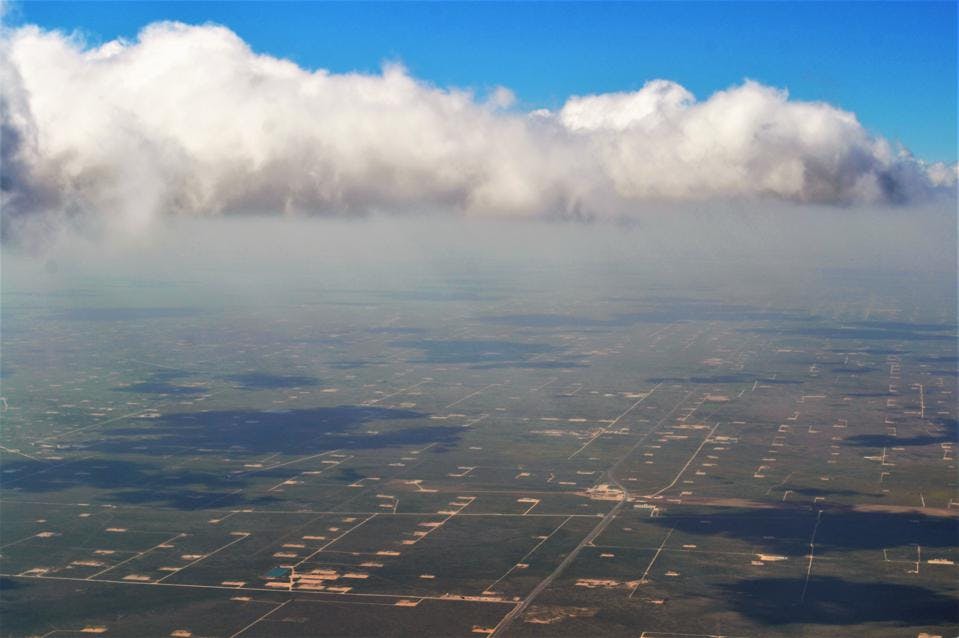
<point x="130" y="482"/>
<point x="350" y="365"/>
<point x="189" y="499"/>
<point x="949" y="434"/>
<point x="904" y="325"/>
<point x="787" y="529"/>
<point x="159" y="382"/>
<point x="348" y="475"/>
<point x="884" y="440"/>
<point x="840" y="531"/>
<point x="7" y="584"/>
<point x="295" y="432"/>
<point x="836" y="601"/>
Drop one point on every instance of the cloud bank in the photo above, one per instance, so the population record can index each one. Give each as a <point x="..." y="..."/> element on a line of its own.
<point x="188" y="120"/>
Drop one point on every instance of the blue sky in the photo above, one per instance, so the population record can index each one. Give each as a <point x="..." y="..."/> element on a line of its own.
<point x="892" y="64"/>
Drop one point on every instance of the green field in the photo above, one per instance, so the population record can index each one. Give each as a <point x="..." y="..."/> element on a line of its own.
<point x="481" y="458"/>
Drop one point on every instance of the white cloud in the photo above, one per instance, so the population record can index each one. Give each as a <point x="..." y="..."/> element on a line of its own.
<point x="189" y="120"/>
<point x="654" y="106"/>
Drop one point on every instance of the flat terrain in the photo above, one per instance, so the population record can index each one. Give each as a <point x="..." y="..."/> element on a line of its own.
<point x="504" y="454"/>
